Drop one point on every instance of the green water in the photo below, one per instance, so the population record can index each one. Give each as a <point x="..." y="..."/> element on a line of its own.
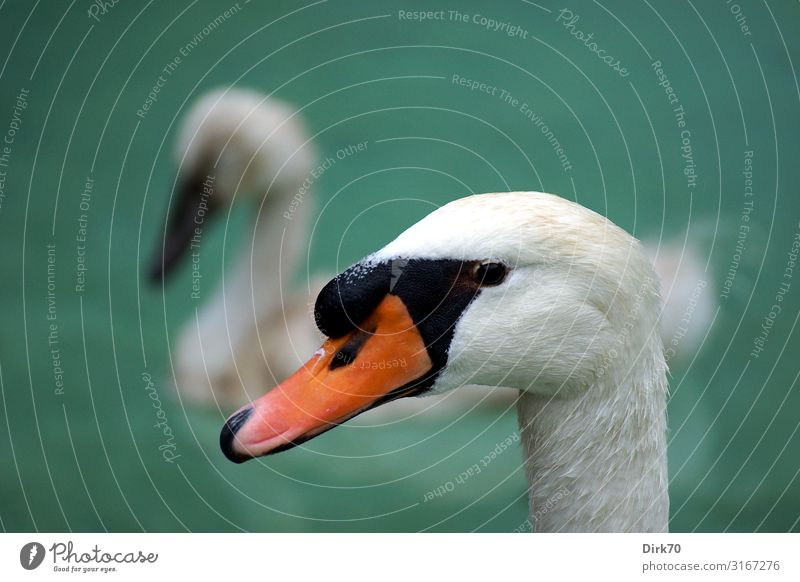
<point x="85" y="455"/>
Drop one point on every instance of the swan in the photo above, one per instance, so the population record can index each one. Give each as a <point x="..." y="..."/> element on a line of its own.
<point x="236" y="146"/>
<point x="524" y="290"/>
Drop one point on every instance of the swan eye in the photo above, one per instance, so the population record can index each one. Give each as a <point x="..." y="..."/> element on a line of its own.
<point x="488" y="274"/>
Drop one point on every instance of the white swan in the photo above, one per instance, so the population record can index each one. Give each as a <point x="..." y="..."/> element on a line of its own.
<point x="237" y="145"/>
<point x="524" y="290"/>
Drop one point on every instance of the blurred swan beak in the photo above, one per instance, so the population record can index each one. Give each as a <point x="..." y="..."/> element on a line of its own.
<point x="193" y="205"/>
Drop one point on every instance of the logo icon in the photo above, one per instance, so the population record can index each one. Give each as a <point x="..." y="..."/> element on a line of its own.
<point x="31" y="555"/>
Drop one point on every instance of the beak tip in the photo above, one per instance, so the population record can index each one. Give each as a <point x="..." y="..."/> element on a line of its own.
<point x="227" y="437"/>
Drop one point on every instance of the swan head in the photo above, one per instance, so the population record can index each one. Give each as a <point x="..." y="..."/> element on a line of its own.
<point x="523" y="290"/>
<point x="232" y="144"/>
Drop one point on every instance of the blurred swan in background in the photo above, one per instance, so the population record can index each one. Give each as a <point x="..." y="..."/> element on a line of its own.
<point x="237" y="146"/>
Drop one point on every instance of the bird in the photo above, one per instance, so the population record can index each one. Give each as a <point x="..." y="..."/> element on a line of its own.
<point x="524" y="290"/>
<point x="239" y="146"/>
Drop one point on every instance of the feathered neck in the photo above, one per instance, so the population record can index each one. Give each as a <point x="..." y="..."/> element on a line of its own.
<point x="597" y="461"/>
<point x="263" y="266"/>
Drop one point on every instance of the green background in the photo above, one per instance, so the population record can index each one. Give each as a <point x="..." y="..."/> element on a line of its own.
<point x="89" y="459"/>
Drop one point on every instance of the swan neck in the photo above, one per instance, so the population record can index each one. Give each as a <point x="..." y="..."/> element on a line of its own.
<point x="264" y="265"/>
<point x="597" y="461"/>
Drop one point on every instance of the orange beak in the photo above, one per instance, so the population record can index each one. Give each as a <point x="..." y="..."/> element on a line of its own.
<point x="383" y="359"/>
